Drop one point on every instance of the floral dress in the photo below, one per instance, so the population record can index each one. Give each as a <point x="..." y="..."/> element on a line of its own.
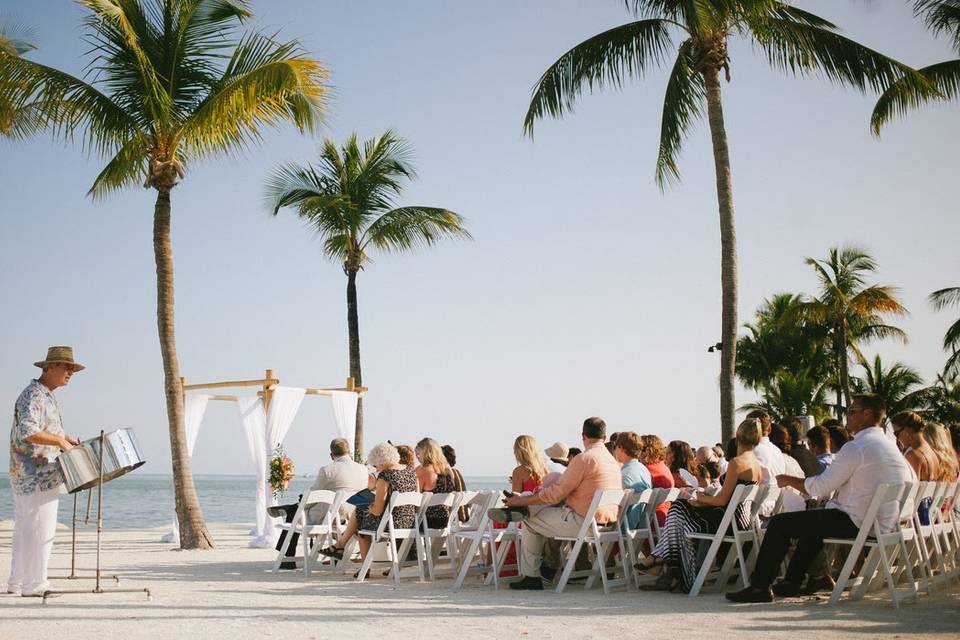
<point x="398" y="480"/>
<point x="438" y="515"/>
<point x="33" y="466"/>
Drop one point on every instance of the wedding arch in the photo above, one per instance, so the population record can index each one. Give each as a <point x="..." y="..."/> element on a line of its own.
<point x="266" y="417"/>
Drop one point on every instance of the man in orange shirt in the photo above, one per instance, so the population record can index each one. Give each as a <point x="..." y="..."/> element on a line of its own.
<point x="591" y="471"/>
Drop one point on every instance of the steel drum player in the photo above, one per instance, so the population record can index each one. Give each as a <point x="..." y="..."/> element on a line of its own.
<point x="36" y="439"/>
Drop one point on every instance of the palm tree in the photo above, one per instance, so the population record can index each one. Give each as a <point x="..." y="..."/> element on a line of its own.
<point x="941" y="401"/>
<point x="773" y="344"/>
<point x="791" y="394"/>
<point x="170" y="82"/>
<point x="792" y="40"/>
<point x="349" y="198"/>
<point x="897" y="384"/>
<point x="849" y="310"/>
<point x="942" y="17"/>
<point x="17" y="120"/>
<point x="951" y="340"/>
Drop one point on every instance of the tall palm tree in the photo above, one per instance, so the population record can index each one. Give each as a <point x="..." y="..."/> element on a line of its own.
<point x="898" y="384"/>
<point x="349" y="198"/>
<point x="951" y="340"/>
<point x="941" y="400"/>
<point x="850" y="310"/>
<point x="791" y="394"/>
<point x="17" y="119"/>
<point x="170" y="82"/>
<point x="942" y="17"/>
<point x="792" y="40"/>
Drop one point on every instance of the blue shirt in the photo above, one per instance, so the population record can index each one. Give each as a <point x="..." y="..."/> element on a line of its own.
<point x="636" y="476"/>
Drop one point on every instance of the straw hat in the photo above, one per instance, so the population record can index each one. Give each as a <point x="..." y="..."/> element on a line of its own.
<point x="557" y="451"/>
<point x="60" y="355"/>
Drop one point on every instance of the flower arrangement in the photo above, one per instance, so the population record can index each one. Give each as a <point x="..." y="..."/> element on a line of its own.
<point x="281" y="472"/>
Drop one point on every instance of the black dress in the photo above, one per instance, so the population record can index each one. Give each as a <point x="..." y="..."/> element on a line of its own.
<point x="679" y="552"/>
<point x="438" y="515"/>
<point x="398" y="480"/>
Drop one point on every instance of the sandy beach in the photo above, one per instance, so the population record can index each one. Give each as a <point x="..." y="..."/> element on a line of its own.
<point x="229" y="592"/>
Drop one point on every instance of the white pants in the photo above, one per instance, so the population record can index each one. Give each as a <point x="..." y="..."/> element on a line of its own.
<point x="35" y="525"/>
<point x="544" y="523"/>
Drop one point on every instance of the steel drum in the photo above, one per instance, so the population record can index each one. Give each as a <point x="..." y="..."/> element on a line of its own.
<point x="80" y="465"/>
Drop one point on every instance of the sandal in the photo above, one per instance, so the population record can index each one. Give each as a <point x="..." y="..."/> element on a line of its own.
<point x="332" y="552"/>
<point x="649" y="562"/>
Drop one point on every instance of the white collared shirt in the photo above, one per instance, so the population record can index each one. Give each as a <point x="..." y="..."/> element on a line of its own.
<point x="861" y="465"/>
<point x="771" y="465"/>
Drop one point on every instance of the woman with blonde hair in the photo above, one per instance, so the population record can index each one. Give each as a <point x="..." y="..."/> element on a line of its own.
<point x="909" y="429"/>
<point x="531" y="468"/>
<point x="434" y="474"/>
<point x="702" y="513"/>
<point x="939" y="439"/>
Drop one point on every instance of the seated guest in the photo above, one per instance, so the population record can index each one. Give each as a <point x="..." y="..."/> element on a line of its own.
<point x="572" y="453"/>
<point x="770" y="457"/>
<point x="839" y="435"/>
<point x="682" y="463"/>
<point x="611" y="443"/>
<point x="908" y="429"/>
<point x="406" y="455"/>
<point x="459" y="484"/>
<point x="652" y="454"/>
<point x="434" y="475"/>
<point x="792" y="499"/>
<point x="808" y="462"/>
<point x="633" y="473"/>
<point x="862" y="465"/>
<point x="591" y="471"/>
<point x="674" y="559"/>
<point x="818" y="441"/>
<point x="707" y="454"/>
<point x="939" y="438"/>
<point x="531" y="469"/>
<point x="721" y="457"/>
<point x="708" y="475"/>
<point x="558" y="457"/>
<point x="392" y="476"/>
<point x="343" y="474"/>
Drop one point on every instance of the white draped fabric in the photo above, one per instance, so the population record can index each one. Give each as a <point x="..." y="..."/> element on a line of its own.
<point x="194" y="408"/>
<point x="345" y="413"/>
<point x="264" y="434"/>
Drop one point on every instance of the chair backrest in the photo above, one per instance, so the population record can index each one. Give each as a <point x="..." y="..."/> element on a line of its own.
<point x="400" y="499"/>
<point x="448" y="500"/>
<point x="637" y="502"/>
<point x="601" y="498"/>
<point x="885" y="494"/>
<point x="908" y="505"/>
<point x="311" y="499"/>
<point x="742" y="494"/>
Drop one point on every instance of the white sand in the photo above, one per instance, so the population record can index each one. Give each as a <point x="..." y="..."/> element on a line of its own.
<point x="229" y="593"/>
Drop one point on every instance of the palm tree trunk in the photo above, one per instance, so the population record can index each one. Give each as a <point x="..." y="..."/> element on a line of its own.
<point x="193" y="529"/>
<point x="844" y="367"/>
<point x="353" y="330"/>
<point x="839" y="355"/>
<point x="728" y="254"/>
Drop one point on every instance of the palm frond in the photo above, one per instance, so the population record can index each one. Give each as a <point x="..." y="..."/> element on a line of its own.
<point x="941" y="16"/>
<point x="943" y="298"/>
<point x="127" y="168"/>
<point x="16" y="39"/>
<point x="682" y="106"/>
<point x="265" y="83"/>
<point x="607" y="59"/>
<point x="797" y="46"/>
<point x="901" y="97"/>
<point x="408" y="228"/>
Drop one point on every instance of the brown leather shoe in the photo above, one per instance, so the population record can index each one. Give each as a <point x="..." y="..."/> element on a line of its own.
<point x="751" y="594"/>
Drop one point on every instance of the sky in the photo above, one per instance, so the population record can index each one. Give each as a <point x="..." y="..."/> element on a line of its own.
<point x="585" y="291"/>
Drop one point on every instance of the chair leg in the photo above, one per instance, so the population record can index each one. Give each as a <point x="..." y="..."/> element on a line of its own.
<point x="568" y="566"/>
<point x="283" y="551"/>
<point x="367" y="561"/>
<point x="706" y="566"/>
<point x="845" y="573"/>
<point x="465" y="560"/>
<point x="428" y="542"/>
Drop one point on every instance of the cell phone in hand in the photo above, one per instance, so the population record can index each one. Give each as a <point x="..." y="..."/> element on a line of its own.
<point x="507" y="494"/>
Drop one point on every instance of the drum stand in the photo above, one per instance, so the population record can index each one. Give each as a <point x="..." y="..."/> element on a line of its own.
<point x="97" y="588"/>
<point x="73" y="544"/>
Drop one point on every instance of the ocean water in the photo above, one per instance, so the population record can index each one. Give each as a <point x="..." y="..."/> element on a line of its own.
<point x="140" y="500"/>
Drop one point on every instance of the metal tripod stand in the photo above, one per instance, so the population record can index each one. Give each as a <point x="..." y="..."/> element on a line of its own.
<point x="97" y="588"/>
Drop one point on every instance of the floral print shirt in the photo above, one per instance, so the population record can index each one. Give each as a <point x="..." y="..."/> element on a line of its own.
<point x="33" y="466"/>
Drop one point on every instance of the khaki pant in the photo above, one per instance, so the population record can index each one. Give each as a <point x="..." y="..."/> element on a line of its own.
<point x="542" y="524"/>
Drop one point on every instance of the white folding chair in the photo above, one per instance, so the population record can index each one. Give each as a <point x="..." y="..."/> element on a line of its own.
<point x="639" y="508"/>
<point x="943" y="531"/>
<point x="744" y="497"/>
<point x="469" y="537"/>
<point x="499" y="542"/>
<point x="661" y="496"/>
<point x="387" y="532"/>
<point x="434" y="539"/>
<point x="601" y="538"/>
<point x="872" y="538"/>
<point x="299" y="525"/>
<point x="925" y="536"/>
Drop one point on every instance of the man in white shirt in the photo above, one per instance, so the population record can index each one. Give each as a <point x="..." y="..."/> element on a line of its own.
<point x="863" y="464"/>
<point x="770" y="459"/>
<point x="343" y="474"/>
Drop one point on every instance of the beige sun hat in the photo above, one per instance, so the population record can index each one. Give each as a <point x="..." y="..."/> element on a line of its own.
<point x="60" y="355"/>
<point x="557" y="451"/>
